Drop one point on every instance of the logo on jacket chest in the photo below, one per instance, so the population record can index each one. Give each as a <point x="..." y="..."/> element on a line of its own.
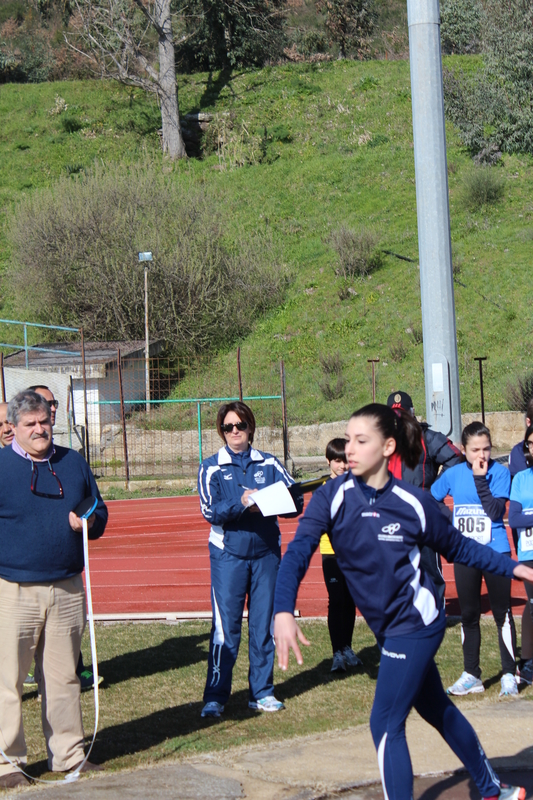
<point x="259" y="477"/>
<point x="389" y="533"/>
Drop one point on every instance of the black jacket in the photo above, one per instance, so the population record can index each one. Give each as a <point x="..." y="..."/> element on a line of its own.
<point x="438" y="451"/>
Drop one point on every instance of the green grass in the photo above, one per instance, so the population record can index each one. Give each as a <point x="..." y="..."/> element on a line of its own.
<point x="348" y="160"/>
<point x="154" y="679"/>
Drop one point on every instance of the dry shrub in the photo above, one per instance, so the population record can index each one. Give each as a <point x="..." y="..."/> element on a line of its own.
<point x="483" y="186"/>
<point x="75" y="260"/>
<point x="357" y="252"/>
<point x="520" y="393"/>
<point x="332" y="387"/>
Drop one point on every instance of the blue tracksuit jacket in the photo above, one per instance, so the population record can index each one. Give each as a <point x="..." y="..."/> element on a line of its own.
<point x="378" y="549"/>
<point x="222" y="480"/>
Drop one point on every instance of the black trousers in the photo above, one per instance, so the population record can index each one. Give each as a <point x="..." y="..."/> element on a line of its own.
<point x="341" y="607"/>
<point x="468" y="583"/>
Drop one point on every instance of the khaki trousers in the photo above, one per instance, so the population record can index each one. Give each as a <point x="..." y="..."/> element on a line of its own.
<point x="45" y="621"/>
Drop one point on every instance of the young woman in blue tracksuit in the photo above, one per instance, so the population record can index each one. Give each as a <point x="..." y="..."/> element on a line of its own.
<point x="521" y="519"/>
<point x="244" y="550"/>
<point x="377" y="525"/>
<point x="480" y="488"/>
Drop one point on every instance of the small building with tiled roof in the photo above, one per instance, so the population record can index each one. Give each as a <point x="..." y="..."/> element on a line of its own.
<point x="62" y="372"/>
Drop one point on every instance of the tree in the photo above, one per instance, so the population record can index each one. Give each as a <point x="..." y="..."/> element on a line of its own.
<point x="116" y="35"/>
<point x="493" y="109"/>
<point x="224" y="33"/>
<point x="349" y="23"/>
<point x="75" y="260"/>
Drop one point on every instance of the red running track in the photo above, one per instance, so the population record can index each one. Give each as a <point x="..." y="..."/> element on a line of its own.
<point x="154" y="559"/>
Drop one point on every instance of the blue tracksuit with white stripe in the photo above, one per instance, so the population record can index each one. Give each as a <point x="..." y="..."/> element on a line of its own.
<point x="377" y="536"/>
<point x="244" y="550"/>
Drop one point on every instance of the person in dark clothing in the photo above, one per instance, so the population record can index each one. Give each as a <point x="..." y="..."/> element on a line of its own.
<point x="518" y="462"/>
<point x="437" y="451"/>
<point x="341" y="607"/>
<point x="376" y="525"/>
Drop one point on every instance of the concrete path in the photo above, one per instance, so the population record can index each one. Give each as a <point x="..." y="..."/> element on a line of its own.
<point x="320" y="766"/>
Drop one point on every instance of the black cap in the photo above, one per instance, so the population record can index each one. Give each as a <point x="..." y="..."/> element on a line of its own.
<point x="400" y="400"/>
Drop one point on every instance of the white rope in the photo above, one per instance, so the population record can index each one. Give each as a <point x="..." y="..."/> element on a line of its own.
<point x="73" y="776"/>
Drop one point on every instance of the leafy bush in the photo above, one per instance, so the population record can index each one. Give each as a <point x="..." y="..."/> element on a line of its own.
<point x="312" y="42"/>
<point x="350" y="24"/>
<point x="520" y="393"/>
<point x="224" y="34"/>
<point x="460" y="26"/>
<point x="357" y="251"/>
<point x="482" y="186"/>
<point x="495" y="107"/>
<point x="75" y="261"/>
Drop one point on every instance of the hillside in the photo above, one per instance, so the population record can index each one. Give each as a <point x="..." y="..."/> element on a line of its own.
<point x="337" y="150"/>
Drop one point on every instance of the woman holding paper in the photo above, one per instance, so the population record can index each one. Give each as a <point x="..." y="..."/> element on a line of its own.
<point x="244" y="550"/>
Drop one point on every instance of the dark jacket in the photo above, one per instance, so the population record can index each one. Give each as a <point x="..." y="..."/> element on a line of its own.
<point x="438" y="452"/>
<point x="222" y="480"/>
<point x="37" y="544"/>
<point x="378" y="550"/>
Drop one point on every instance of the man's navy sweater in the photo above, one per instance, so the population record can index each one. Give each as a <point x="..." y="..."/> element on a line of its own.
<point x="37" y="544"/>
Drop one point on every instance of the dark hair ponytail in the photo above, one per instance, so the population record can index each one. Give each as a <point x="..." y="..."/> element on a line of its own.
<point x="398" y="424"/>
<point x="527" y="454"/>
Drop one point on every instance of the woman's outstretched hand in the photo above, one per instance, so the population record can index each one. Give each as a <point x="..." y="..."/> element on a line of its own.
<point x="286" y="635"/>
<point x="523" y="573"/>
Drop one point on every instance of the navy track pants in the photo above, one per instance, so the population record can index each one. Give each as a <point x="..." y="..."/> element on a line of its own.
<point x="232" y="579"/>
<point x="408" y="677"/>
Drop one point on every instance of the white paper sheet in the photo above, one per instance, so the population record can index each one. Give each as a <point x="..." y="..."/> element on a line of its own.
<point x="273" y="500"/>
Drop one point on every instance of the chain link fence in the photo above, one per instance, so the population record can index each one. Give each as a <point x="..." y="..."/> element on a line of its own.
<point x="170" y="431"/>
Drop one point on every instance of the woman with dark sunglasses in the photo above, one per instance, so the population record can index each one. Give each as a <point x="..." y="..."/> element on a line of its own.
<point x="244" y="549"/>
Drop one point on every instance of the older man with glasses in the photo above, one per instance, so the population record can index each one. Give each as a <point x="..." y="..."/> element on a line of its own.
<point x="42" y="599"/>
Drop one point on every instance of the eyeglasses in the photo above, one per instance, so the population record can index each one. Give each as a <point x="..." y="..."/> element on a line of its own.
<point x="228" y="427"/>
<point x="34" y="476"/>
<point x="54" y="403"/>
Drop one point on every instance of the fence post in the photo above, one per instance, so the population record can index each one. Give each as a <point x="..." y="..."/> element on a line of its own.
<point x="286" y="451"/>
<point x="86" y="415"/>
<point x="26" y="346"/>
<point x="123" y="419"/>
<point x="198" y="405"/>
<point x="481" y="359"/>
<point x="3" y="378"/>
<point x="239" y="372"/>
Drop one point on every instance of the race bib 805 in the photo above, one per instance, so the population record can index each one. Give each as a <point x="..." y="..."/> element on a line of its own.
<point x="471" y="521"/>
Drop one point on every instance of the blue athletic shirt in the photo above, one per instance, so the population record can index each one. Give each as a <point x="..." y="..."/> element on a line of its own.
<point x="469" y="515"/>
<point x="521" y="512"/>
<point x="377" y="539"/>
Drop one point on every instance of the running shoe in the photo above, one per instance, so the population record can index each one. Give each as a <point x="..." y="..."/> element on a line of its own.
<point x="509" y="686"/>
<point x="30" y="682"/>
<point x="87" y="680"/>
<point x="351" y="658"/>
<point x="466" y="684"/>
<point x="509" y="793"/>
<point x="266" y="704"/>
<point x="338" y="662"/>
<point x="212" y="709"/>
<point x="525" y="673"/>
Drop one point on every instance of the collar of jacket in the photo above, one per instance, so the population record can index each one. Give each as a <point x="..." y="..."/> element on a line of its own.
<point x="225" y="458"/>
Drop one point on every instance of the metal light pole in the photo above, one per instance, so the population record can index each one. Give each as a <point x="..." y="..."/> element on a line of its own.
<point x="443" y="402"/>
<point x="146" y="257"/>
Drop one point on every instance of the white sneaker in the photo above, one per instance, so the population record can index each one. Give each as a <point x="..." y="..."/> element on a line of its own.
<point x="351" y="658"/>
<point x="212" y="709"/>
<point x="338" y="662"/>
<point x="266" y="704"/>
<point x="466" y="684"/>
<point x="509" y="686"/>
